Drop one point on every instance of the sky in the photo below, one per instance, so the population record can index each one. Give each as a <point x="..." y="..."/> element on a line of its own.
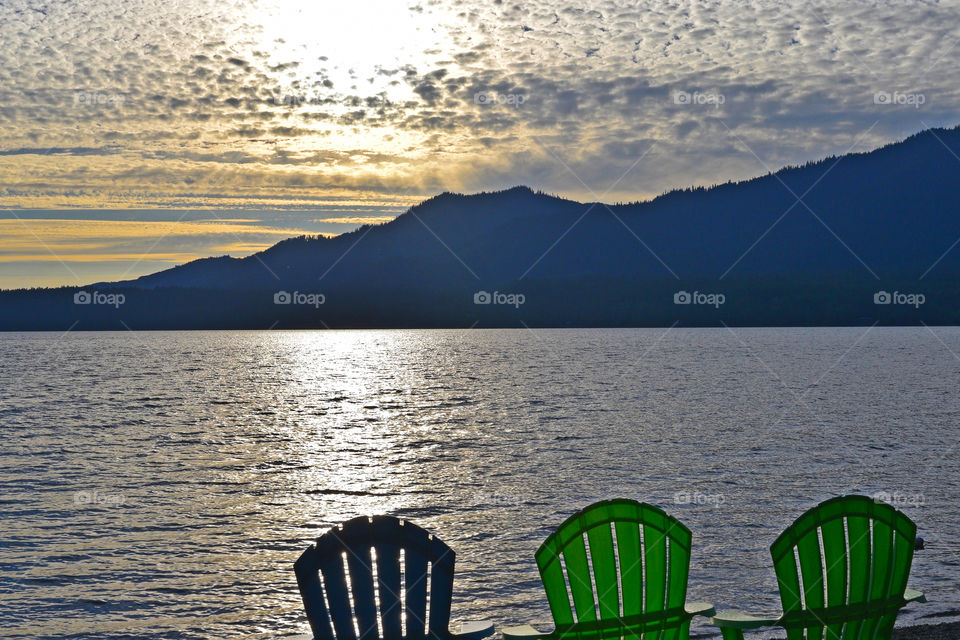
<point x="139" y="135"/>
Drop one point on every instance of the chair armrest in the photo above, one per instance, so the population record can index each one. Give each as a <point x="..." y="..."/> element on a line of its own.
<point x="522" y="632"/>
<point x="699" y="609"/>
<point x="474" y="630"/>
<point x="912" y="595"/>
<point x="739" y="620"/>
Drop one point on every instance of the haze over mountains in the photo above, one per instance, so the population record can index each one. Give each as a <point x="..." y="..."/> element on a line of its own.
<point x="807" y="245"/>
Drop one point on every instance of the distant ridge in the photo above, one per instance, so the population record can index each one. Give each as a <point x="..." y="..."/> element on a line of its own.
<point x="867" y="223"/>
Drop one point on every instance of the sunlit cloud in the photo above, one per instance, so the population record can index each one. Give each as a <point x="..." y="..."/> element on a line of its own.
<point x="357" y="219"/>
<point x="175" y="241"/>
<point x="58" y="254"/>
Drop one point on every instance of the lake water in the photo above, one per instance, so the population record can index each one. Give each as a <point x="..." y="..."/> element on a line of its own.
<point x="162" y="484"/>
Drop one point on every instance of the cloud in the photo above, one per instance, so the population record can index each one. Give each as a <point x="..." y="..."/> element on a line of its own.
<point x="356" y="219"/>
<point x="211" y="104"/>
<point x="70" y="151"/>
<point x="797" y="81"/>
<point x="85" y="240"/>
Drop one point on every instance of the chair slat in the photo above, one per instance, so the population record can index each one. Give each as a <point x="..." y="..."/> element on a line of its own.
<point x="578" y="572"/>
<point x="360" y="563"/>
<point x="631" y="567"/>
<point x="788" y="582"/>
<point x="655" y="563"/>
<point x="415" y="590"/>
<point x="902" y="556"/>
<point x="600" y="538"/>
<point x="835" y="559"/>
<point x="858" y="544"/>
<point x="655" y="573"/>
<point x="441" y="587"/>
<point x="811" y="570"/>
<point x="555" y="585"/>
<point x="902" y="559"/>
<point x="678" y="568"/>
<point x="882" y="559"/>
<point x="881" y="562"/>
<point x="311" y="591"/>
<point x="858" y="535"/>
<point x="388" y="576"/>
<point x="334" y="580"/>
<point x="679" y="572"/>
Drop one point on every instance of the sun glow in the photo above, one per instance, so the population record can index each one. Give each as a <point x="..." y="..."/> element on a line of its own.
<point x="330" y="67"/>
<point x="347" y="43"/>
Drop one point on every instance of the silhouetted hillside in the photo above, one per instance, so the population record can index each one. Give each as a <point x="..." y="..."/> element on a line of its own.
<point x="883" y="221"/>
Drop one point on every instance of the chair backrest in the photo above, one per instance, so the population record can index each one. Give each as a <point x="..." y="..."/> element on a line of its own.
<point x="854" y="556"/>
<point x="377" y="577"/>
<point x="625" y="565"/>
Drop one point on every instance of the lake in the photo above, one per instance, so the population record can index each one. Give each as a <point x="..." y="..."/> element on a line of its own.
<point x="161" y="485"/>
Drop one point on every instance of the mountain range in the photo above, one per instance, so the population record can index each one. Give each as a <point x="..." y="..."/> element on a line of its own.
<point x="861" y="238"/>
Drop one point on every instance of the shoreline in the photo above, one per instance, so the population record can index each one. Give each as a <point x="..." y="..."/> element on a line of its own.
<point x="932" y="631"/>
<point x="935" y="631"/>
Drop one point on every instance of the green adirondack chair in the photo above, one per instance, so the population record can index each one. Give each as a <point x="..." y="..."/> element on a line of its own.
<point x="625" y="565"/>
<point x="864" y="548"/>
<point x="392" y="567"/>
